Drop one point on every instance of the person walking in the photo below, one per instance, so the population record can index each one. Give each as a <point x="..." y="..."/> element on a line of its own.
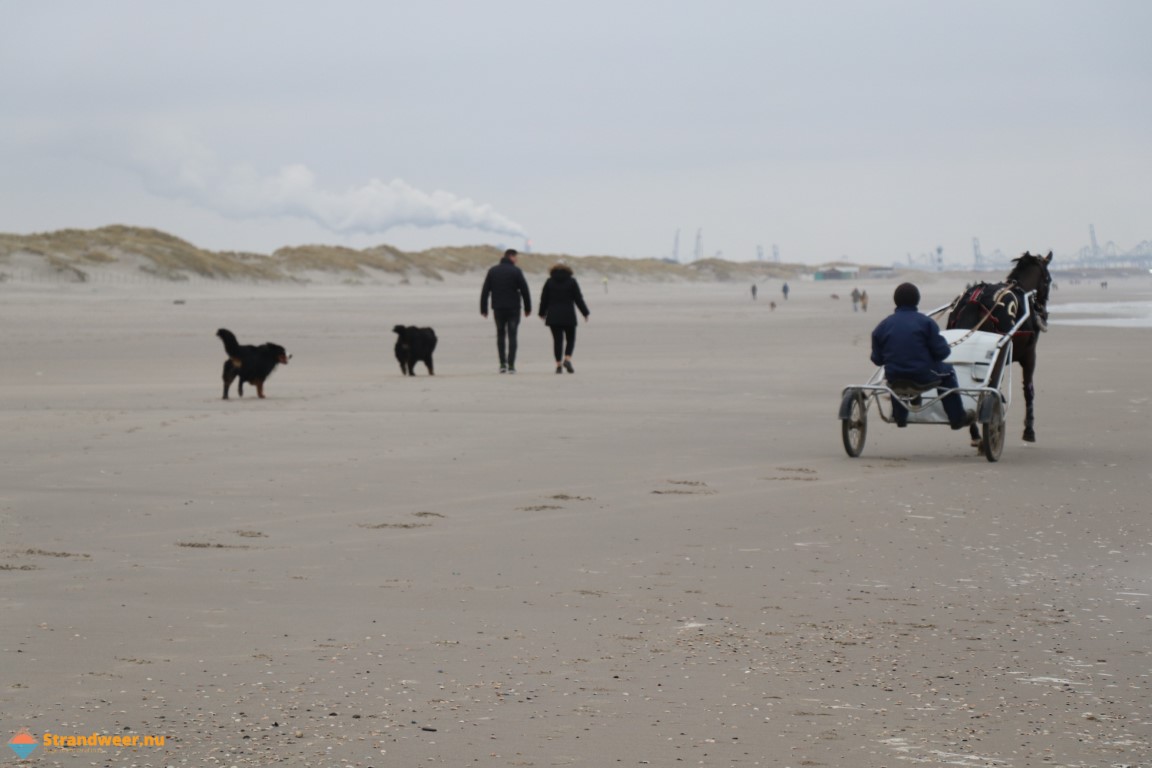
<point x="784" y="291"/>
<point x="559" y="300"/>
<point x="507" y="287"/>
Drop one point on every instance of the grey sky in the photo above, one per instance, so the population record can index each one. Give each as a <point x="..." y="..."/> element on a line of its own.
<point x="866" y="130"/>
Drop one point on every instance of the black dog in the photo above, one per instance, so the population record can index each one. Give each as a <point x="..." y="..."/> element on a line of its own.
<point x="248" y="363"/>
<point x="414" y="345"/>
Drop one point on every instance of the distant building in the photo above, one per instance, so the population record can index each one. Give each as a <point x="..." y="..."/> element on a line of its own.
<point x="836" y="273"/>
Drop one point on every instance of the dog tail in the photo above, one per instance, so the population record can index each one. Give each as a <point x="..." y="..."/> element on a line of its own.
<point x="231" y="346"/>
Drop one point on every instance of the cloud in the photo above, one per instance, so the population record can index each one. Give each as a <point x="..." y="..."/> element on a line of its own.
<point x="174" y="165"/>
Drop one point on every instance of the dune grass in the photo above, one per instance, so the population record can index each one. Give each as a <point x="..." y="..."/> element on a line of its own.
<point x="75" y="252"/>
<point x="163" y="255"/>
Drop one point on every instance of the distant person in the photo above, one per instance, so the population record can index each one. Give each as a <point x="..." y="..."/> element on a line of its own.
<point x="559" y="300"/>
<point x="506" y="285"/>
<point x="909" y="346"/>
<point x="753" y="291"/>
<point x="855" y="299"/>
<point x="784" y="290"/>
<point x="605" y="284"/>
<point x="864" y="301"/>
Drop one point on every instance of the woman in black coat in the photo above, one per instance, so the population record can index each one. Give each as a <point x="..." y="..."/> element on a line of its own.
<point x="559" y="301"/>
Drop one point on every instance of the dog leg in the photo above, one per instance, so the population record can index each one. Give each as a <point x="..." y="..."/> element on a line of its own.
<point x="228" y="376"/>
<point x="260" y="389"/>
<point x="428" y="363"/>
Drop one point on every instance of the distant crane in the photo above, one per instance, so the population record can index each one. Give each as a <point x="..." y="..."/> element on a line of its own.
<point x="699" y="252"/>
<point x="1092" y="238"/>
<point x="759" y="253"/>
<point x="775" y="253"/>
<point x="977" y="256"/>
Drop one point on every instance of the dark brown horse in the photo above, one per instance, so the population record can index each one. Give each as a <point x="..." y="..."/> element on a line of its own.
<point x="995" y="307"/>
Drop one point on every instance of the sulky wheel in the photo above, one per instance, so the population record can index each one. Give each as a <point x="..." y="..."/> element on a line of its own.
<point x="854" y="422"/>
<point x="992" y="440"/>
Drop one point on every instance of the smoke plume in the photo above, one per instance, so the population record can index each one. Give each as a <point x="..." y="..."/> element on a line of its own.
<point x="174" y="166"/>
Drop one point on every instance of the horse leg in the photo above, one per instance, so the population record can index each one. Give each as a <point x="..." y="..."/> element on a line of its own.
<point x="974" y="433"/>
<point x="1028" y="363"/>
<point x="1029" y="396"/>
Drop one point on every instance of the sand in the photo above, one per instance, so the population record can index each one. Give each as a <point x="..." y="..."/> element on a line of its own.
<point x="666" y="558"/>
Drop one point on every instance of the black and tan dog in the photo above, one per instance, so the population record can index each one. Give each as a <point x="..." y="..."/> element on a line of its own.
<point x="248" y="363"/>
<point x="414" y="345"/>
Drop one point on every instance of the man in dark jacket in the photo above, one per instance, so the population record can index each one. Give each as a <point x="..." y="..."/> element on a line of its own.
<point x="506" y="285"/>
<point x="909" y="346"/>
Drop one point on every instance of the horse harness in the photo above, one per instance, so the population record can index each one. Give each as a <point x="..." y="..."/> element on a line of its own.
<point x="973" y="297"/>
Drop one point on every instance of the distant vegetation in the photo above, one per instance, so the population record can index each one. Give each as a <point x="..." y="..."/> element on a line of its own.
<point x="74" y="254"/>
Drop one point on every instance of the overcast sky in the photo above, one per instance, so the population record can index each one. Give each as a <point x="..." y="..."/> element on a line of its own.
<point x="865" y="130"/>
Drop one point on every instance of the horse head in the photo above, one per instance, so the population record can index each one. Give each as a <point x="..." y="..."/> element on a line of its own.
<point x="1030" y="273"/>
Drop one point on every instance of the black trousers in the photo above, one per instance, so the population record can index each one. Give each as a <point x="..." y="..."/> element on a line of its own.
<point x="560" y="347"/>
<point x="507" y="326"/>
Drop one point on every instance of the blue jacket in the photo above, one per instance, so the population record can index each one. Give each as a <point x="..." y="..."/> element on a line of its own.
<point x="909" y="346"/>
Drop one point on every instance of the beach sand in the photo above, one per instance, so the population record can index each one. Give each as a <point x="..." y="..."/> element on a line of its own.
<point x="666" y="558"/>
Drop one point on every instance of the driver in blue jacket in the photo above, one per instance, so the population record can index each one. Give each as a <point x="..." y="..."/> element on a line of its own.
<point x="909" y="346"/>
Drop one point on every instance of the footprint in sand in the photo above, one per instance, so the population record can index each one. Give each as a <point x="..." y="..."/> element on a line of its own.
<point x="795" y="473"/>
<point x="210" y="545"/>
<point x="46" y="553"/>
<point x="685" y="488"/>
<point x="402" y="526"/>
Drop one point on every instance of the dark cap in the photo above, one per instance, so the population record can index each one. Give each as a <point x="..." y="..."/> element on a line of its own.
<point x="906" y="295"/>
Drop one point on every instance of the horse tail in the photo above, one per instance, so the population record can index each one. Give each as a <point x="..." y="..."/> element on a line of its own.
<point x="953" y="311"/>
<point x="962" y="303"/>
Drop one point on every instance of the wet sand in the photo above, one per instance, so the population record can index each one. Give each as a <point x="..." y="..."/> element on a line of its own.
<point x="664" y="559"/>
